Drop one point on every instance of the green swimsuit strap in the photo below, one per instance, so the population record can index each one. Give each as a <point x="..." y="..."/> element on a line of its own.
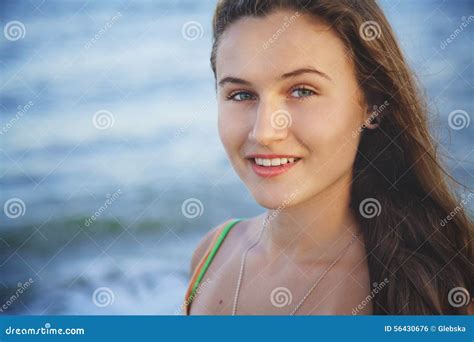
<point x="211" y="255"/>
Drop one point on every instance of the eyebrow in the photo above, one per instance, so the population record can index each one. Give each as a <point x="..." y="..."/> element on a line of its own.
<point x="294" y="73"/>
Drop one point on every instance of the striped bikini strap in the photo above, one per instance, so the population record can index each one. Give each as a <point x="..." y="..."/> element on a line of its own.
<point x="205" y="262"/>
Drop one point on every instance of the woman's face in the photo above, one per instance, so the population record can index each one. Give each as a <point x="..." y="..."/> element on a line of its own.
<point x="287" y="90"/>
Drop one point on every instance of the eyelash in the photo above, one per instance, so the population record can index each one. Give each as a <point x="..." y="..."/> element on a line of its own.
<point x="301" y="98"/>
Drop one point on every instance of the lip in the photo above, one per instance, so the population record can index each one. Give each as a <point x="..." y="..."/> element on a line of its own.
<point x="271" y="171"/>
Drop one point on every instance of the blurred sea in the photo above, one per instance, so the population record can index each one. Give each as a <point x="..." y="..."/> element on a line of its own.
<point x="144" y="66"/>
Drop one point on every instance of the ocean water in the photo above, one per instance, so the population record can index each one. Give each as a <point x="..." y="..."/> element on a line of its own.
<point x="140" y="70"/>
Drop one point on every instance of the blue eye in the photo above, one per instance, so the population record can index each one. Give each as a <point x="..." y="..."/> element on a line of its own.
<point x="302" y="92"/>
<point x="240" y="96"/>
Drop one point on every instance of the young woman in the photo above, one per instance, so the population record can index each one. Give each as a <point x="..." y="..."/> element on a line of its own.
<point x="321" y="119"/>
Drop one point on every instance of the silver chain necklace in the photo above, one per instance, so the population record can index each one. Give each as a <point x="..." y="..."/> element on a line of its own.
<point x="316" y="283"/>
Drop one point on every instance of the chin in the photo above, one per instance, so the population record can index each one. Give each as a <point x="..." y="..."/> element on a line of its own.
<point x="274" y="199"/>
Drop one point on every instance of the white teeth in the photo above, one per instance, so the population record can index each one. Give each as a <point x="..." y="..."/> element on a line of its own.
<point x="274" y="161"/>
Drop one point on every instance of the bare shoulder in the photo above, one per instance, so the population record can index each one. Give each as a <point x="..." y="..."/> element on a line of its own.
<point x="236" y="234"/>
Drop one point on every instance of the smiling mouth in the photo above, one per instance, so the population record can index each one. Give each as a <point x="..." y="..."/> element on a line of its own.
<point x="266" y="167"/>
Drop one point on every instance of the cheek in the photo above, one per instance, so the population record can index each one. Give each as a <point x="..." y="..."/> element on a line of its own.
<point x="329" y="133"/>
<point x="232" y="130"/>
<point x="327" y="124"/>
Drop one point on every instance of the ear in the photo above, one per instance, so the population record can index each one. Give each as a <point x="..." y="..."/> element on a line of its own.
<point x="372" y="118"/>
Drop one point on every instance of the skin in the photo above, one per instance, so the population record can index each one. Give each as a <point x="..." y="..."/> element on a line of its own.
<point x="311" y="222"/>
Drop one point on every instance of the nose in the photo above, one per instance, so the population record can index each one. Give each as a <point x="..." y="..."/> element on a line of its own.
<point x="272" y="123"/>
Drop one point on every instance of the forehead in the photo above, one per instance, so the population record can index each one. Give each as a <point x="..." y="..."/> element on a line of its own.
<point x="263" y="46"/>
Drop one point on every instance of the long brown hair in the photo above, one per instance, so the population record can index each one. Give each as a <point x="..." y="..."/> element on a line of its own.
<point x="415" y="242"/>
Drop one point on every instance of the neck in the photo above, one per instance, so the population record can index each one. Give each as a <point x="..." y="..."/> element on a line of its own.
<point x="317" y="228"/>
